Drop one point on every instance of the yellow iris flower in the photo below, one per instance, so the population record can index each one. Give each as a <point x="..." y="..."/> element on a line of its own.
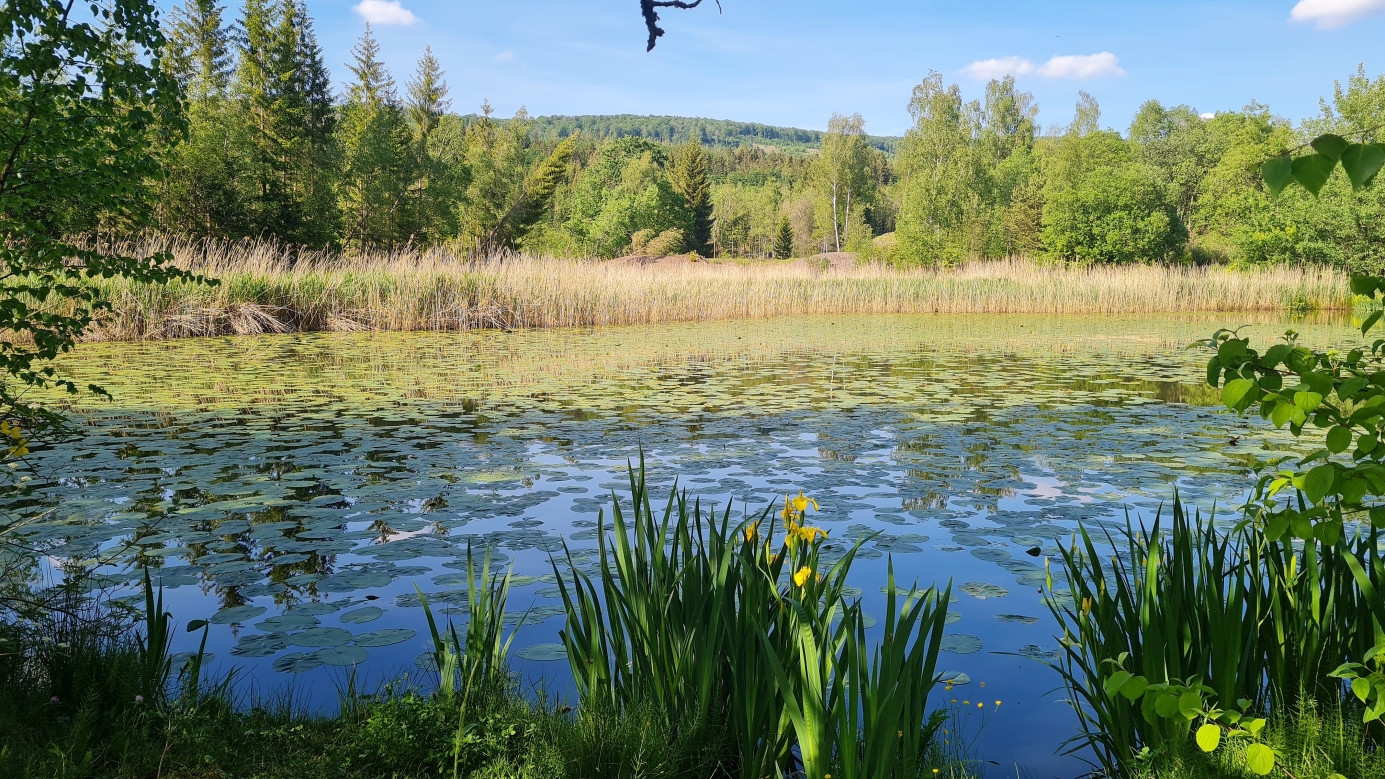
<point x="804" y="574"/>
<point x="752" y="533"/>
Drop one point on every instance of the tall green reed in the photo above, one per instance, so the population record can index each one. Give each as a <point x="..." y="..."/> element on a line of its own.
<point x="739" y="630"/>
<point x="1240" y="622"/>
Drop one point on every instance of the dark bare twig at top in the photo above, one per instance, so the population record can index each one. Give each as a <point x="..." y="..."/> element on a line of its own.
<point x="651" y="16"/>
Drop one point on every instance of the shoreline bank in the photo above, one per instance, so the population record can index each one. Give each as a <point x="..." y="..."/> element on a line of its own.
<point x="262" y="292"/>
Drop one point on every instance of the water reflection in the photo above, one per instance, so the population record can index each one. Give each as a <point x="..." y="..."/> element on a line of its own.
<point x="296" y="488"/>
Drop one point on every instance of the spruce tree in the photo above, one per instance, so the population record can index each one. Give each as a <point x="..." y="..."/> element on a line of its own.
<point x="427" y="95"/>
<point x="199" y="49"/>
<point x="783" y="240"/>
<point x="688" y="173"/>
<point x="377" y="152"/>
<point x="431" y="195"/>
<point x="259" y="90"/>
<point x="199" y="194"/>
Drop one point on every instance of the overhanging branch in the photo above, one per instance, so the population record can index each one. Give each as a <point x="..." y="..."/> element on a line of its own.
<point x="651" y="15"/>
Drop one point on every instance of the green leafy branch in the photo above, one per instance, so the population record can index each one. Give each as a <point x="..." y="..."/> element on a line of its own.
<point x="1188" y="702"/>
<point x="1367" y="682"/>
<point x="1361" y="162"/>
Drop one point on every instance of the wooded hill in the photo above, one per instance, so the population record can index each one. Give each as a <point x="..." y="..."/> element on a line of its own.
<point x="712" y="133"/>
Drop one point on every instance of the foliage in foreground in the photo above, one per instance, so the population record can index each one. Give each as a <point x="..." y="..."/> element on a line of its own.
<point x="744" y="630"/>
<point x="708" y="648"/>
<point x="1191" y="635"/>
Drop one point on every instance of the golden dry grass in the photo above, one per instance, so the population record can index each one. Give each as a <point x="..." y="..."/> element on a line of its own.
<point x="264" y="290"/>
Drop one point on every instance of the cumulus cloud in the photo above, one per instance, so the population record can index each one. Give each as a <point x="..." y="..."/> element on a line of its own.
<point x="504" y="56"/>
<point x="1329" y="14"/>
<point x="1082" y="66"/>
<point x="1208" y="116"/>
<point x="1073" y="66"/>
<point x="998" y="67"/>
<point x="385" y="12"/>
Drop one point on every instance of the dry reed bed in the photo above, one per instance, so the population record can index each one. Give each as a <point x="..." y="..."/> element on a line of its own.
<point x="263" y="291"/>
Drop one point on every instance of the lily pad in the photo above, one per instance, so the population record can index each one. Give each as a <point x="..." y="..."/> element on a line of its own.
<point x="983" y="591"/>
<point x="362" y="615"/>
<point x="342" y="655"/>
<point x="321" y="637"/>
<point x="261" y="645"/>
<point x="237" y="614"/>
<point x="297" y="662"/>
<point x="960" y="644"/>
<point x="384" y="637"/>
<point x="954" y="678"/>
<point x="288" y="623"/>
<point x="543" y="652"/>
<point x="1017" y="619"/>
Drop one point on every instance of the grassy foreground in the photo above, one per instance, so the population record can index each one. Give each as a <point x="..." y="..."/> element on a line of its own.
<point x="265" y="290"/>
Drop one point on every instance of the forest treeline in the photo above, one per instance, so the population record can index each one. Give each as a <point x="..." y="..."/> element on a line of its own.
<point x="711" y="133"/>
<point x="271" y="149"/>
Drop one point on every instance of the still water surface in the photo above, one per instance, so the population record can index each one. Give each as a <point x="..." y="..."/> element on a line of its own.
<point x="295" y="489"/>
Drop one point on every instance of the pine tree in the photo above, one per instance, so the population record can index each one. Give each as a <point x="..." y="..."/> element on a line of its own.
<point x="431" y="193"/>
<point x="377" y="152"/>
<point x="199" y="194"/>
<point x="258" y="89"/>
<point x="783" y="240"/>
<point x="318" y="167"/>
<point x="688" y="174"/>
<point x="199" y="49"/>
<point x="427" y="95"/>
<point x="535" y="199"/>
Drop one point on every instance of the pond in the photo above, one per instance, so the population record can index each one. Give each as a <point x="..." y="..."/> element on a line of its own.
<point x="295" y="489"/>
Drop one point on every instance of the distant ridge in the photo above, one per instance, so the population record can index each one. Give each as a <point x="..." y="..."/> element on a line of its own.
<point x="722" y="133"/>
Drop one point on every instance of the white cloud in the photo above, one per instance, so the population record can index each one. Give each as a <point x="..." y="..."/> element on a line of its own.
<point x="1335" y="13"/>
<point x="1081" y="66"/>
<point x="385" y="12"/>
<point x="998" y="68"/>
<point x="1075" y="66"/>
<point x="1207" y="116"/>
<point x="504" y="56"/>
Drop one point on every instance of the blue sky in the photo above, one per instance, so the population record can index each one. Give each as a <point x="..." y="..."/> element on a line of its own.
<point x="794" y="62"/>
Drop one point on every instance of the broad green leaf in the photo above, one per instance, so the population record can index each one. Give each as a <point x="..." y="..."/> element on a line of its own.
<point x="1317" y="482"/>
<point x="1320" y="383"/>
<point x="1208" y="737"/>
<point x="1166" y="705"/>
<point x="1116" y="681"/>
<point x="196" y="624"/>
<point x="1213" y="371"/>
<point x="1362" y="284"/>
<point x="1330" y="145"/>
<point x="1302" y="526"/>
<point x="1361" y="688"/>
<point x="1353" y="490"/>
<point x="1338" y="439"/>
<point x="1281" y="413"/>
<point x="1259" y="759"/>
<point x="1133" y="689"/>
<point x="1276" y="527"/>
<point x="1351" y="387"/>
<point x="1313" y="171"/>
<point x="1236" y="391"/>
<point x="1308" y="401"/>
<point x="1232" y="350"/>
<point x="1362" y="161"/>
<point x="1274" y="355"/>
<point x="1190" y="704"/>
<point x="1329" y="532"/>
<point x="1277" y="174"/>
<point x="1370" y="322"/>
